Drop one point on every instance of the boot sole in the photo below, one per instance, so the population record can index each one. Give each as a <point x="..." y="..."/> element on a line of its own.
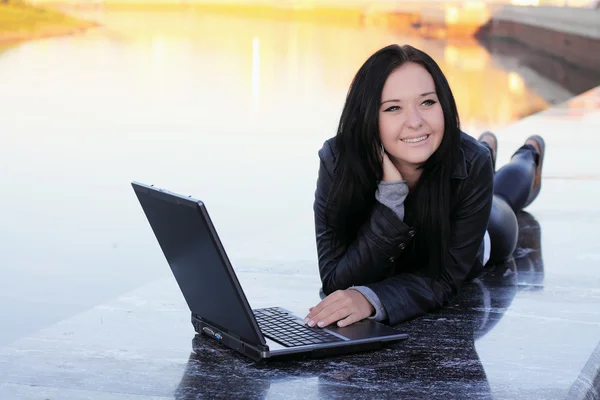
<point x="538" y="172"/>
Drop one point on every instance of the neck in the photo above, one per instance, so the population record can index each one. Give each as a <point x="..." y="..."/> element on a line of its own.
<point x="410" y="173"/>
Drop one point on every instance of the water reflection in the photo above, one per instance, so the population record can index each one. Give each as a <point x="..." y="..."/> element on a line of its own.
<point x="303" y="59"/>
<point x="440" y="358"/>
<point x="556" y="80"/>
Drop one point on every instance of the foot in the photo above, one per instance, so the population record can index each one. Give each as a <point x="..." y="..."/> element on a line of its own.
<point x="540" y="147"/>
<point x="538" y="143"/>
<point x="490" y="139"/>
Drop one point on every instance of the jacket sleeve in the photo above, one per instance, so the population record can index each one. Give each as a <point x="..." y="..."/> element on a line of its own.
<point x="408" y="295"/>
<point x="369" y="258"/>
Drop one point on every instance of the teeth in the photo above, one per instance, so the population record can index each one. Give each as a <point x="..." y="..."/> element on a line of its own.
<point x="415" y="140"/>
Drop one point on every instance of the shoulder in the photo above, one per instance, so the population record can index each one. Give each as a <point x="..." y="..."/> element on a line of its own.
<point x="475" y="181"/>
<point x="476" y="156"/>
<point x="328" y="154"/>
<point x="472" y="149"/>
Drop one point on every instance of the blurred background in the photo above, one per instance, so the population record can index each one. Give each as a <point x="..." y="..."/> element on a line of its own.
<point x="228" y="101"/>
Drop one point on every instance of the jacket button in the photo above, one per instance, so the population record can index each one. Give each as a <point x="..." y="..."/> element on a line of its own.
<point x="392" y="259"/>
<point x="411" y="233"/>
<point x="401" y="246"/>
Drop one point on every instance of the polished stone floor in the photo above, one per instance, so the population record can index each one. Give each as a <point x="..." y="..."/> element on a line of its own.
<point x="511" y="334"/>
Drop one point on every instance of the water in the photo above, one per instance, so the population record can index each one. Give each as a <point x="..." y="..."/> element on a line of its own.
<point x="231" y="110"/>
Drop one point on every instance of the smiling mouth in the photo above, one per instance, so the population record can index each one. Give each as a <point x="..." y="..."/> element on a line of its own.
<point x="415" y="140"/>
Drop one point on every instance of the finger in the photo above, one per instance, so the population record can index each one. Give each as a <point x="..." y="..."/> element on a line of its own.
<point x="332" y="301"/>
<point x="349" y="320"/>
<point x="333" y="316"/>
<point x="332" y="298"/>
<point x="315" y="310"/>
<point x="315" y="316"/>
<point x="344" y="302"/>
<point x="306" y="318"/>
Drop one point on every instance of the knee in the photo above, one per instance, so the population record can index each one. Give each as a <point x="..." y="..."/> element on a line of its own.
<point x="510" y="173"/>
<point x="503" y="229"/>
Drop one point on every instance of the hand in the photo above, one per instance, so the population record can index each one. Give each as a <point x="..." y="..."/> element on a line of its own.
<point x="390" y="172"/>
<point x="344" y="306"/>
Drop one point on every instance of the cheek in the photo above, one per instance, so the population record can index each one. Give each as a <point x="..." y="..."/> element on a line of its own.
<point x="383" y="129"/>
<point x="388" y="129"/>
<point x="438" y="121"/>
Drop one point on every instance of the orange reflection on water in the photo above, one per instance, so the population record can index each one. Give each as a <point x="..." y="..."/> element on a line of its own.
<point x="274" y="63"/>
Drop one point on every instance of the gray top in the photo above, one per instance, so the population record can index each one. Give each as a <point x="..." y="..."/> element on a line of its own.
<point x="391" y="195"/>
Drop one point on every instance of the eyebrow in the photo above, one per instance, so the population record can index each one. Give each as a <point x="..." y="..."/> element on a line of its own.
<point x="396" y="100"/>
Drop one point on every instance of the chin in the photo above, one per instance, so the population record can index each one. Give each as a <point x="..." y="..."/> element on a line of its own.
<point x="416" y="162"/>
<point x="417" y="159"/>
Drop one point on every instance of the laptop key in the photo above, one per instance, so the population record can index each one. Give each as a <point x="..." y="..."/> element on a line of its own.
<point x="288" y="330"/>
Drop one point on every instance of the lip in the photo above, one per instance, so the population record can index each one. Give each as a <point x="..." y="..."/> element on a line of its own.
<point x="422" y="142"/>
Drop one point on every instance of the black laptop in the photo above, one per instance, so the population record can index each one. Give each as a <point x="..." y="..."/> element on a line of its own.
<point x="215" y="297"/>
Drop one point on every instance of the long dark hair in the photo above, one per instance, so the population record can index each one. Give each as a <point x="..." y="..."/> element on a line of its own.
<point x="358" y="169"/>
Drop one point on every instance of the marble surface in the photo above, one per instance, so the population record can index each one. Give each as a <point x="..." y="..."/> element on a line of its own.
<point x="510" y="334"/>
<point x="89" y="309"/>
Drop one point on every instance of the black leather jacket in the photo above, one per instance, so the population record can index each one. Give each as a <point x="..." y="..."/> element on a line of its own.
<point x="372" y="258"/>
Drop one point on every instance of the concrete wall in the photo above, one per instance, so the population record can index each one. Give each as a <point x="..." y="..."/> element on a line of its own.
<point x="576" y="21"/>
<point x="572" y="34"/>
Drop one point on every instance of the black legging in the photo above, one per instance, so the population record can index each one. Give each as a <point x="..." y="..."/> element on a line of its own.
<point x="512" y="187"/>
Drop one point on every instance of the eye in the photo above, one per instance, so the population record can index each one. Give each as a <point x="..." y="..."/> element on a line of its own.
<point x="429" y="102"/>
<point x="392" y="108"/>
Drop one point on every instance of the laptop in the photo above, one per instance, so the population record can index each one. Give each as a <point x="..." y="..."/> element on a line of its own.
<point x="219" y="308"/>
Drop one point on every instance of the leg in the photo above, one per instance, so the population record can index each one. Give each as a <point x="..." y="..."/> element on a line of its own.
<point x="516" y="185"/>
<point x="504" y="231"/>
<point x="519" y="181"/>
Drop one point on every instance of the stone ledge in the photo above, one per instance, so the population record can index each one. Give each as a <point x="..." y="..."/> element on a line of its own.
<point x="572" y="35"/>
<point x="575" y="21"/>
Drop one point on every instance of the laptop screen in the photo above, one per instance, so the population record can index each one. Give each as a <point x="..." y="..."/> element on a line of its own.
<point x="196" y="257"/>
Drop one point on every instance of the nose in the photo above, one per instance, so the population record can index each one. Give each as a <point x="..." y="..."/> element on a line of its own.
<point x="414" y="119"/>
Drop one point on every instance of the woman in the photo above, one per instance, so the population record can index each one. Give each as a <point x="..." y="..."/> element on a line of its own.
<point x="408" y="207"/>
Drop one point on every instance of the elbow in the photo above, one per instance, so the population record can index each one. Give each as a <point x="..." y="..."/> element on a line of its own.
<point x="331" y="284"/>
<point x="449" y="293"/>
<point x="328" y="286"/>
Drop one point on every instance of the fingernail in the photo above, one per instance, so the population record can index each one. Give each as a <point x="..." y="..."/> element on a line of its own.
<point x="321" y="324"/>
<point x="306" y="320"/>
<point x="311" y="323"/>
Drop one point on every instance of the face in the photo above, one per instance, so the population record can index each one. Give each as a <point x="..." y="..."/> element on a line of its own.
<point x="411" y="120"/>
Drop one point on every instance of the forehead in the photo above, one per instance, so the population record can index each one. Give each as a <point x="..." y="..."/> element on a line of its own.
<point x="409" y="80"/>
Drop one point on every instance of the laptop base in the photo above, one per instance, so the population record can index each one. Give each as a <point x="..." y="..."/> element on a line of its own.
<point x="199" y="344"/>
<point x="264" y="354"/>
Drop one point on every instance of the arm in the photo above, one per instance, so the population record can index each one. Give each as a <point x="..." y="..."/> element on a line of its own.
<point x="409" y="295"/>
<point x="380" y="240"/>
<point x="391" y="195"/>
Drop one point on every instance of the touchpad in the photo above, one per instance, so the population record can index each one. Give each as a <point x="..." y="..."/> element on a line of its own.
<point x="363" y="329"/>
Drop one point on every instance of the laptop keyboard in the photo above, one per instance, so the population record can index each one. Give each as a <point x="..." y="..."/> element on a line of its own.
<point x="283" y="328"/>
